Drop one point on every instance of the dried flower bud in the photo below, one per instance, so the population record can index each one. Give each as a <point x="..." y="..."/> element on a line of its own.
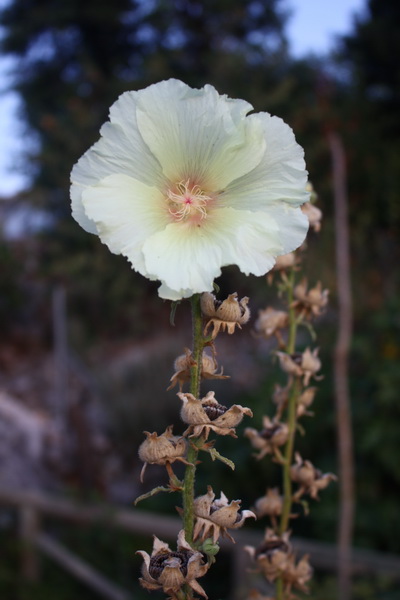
<point x="313" y="214"/>
<point x="183" y="364"/>
<point x="273" y="555"/>
<point x="162" y="449"/>
<point x="226" y="315"/>
<point x="270" y="504"/>
<point x="169" y="570"/>
<point x="207" y="415"/>
<point x="273" y="435"/>
<point x="270" y="322"/>
<point x="310" y="303"/>
<point x="214" y="517"/>
<point x="310" y="479"/>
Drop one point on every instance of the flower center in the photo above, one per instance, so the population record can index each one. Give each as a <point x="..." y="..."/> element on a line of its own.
<point x="188" y="201"/>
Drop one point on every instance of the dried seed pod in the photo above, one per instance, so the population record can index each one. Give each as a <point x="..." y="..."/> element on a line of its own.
<point x="309" y="303"/>
<point x="299" y="574"/>
<point x="169" y="570"/>
<point x="310" y="479"/>
<point x="162" y="449"/>
<point x="207" y="415"/>
<point x="273" y="555"/>
<point x="226" y="315"/>
<point x="214" y="517"/>
<point x="270" y="322"/>
<point x="273" y="435"/>
<point x="270" y="504"/>
<point x="183" y="364"/>
<point x="313" y="214"/>
<point x="310" y="364"/>
<point x="305" y="400"/>
<point x="280" y="397"/>
<point x="304" y="365"/>
<point x="290" y="364"/>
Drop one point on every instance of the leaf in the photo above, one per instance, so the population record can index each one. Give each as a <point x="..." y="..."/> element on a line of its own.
<point x="215" y="455"/>
<point x="153" y="492"/>
<point x="310" y="328"/>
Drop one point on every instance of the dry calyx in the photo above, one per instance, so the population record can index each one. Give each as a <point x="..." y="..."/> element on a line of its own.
<point x="169" y="570"/>
<point x="224" y="315"/>
<point x="185" y="362"/>
<point x="310" y="479"/>
<point x="206" y="414"/>
<point x="162" y="449"/>
<point x="215" y="516"/>
<point x="267" y="441"/>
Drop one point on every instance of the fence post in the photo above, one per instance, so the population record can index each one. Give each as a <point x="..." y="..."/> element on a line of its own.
<point x="29" y="526"/>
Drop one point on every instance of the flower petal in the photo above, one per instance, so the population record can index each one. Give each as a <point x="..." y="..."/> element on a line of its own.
<point x="120" y="150"/>
<point x="279" y="176"/>
<point x="186" y="258"/>
<point x="198" y="134"/>
<point x="126" y="212"/>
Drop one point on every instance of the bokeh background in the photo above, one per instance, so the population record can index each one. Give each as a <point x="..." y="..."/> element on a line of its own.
<point x="86" y="346"/>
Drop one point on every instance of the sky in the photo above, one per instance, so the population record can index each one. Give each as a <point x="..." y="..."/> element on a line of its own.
<point x="312" y="28"/>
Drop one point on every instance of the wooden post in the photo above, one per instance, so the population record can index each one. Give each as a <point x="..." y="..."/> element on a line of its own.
<point x="80" y="569"/>
<point x="341" y="375"/>
<point x="60" y="350"/>
<point x="29" y="526"/>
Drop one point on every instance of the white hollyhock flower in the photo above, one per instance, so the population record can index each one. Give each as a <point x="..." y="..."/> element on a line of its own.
<point x="183" y="182"/>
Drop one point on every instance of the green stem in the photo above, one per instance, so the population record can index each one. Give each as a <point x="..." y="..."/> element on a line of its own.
<point x="291" y="344"/>
<point x="279" y="588"/>
<point x="198" y="345"/>
<point x="195" y="378"/>
<point x="291" y="421"/>
<point x="289" y="449"/>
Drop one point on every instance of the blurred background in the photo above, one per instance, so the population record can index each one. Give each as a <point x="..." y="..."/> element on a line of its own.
<point x="86" y="347"/>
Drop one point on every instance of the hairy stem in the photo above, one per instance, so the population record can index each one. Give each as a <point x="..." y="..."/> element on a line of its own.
<point x="195" y="378"/>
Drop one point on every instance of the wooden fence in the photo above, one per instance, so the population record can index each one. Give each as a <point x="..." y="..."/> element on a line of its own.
<point x="32" y="505"/>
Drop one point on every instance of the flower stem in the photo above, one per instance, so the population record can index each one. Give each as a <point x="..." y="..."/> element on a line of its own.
<point x="279" y="588"/>
<point x="287" y="481"/>
<point x="291" y="421"/>
<point x="198" y="345"/>
<point x="195" y="378"/>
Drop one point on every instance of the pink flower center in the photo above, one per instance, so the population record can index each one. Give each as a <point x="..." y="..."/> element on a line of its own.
<point x="187" y="201"/>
